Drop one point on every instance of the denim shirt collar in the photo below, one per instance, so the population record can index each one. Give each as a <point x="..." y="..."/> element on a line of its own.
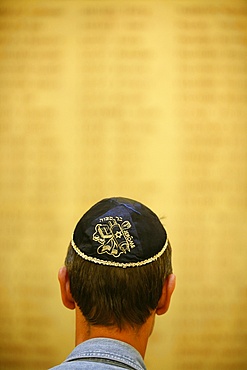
<point x="108" y="349"/>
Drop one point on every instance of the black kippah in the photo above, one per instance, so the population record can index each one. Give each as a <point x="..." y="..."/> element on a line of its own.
<point x="119" y="232"/>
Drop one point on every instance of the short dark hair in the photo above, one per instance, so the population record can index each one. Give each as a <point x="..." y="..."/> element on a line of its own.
<point x="116" y="296"/>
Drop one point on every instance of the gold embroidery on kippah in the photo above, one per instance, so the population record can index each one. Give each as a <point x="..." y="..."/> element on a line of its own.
<point x="113" y="236"/>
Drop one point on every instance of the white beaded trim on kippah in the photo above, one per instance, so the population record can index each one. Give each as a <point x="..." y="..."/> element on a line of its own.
<point x="118" y="264"/>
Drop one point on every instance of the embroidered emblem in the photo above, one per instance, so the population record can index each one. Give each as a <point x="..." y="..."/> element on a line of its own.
<point x="113" y="236"/>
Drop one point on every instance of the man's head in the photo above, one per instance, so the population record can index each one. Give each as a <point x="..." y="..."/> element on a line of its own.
<point x="119" y="265"/>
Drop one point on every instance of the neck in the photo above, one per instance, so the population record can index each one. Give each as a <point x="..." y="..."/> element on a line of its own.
<point x="137" y="338"/>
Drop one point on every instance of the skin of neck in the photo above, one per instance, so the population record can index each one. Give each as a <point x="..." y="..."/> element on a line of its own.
<point x="137" y="338"/>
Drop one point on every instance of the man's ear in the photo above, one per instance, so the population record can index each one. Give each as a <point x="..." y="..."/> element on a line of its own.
<point x="67" y="298"/>
<point x="165" y="299"/>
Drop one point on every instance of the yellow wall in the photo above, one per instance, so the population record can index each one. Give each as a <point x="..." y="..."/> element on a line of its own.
<point x="143" y="99"/>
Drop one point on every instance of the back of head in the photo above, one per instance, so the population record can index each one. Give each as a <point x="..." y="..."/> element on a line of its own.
<point x="117" y="262"/>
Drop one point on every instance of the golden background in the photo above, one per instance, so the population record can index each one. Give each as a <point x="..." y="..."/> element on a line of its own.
<point x="142" y="99"/>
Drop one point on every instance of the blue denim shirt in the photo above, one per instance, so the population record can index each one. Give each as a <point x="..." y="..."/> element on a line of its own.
<point x="102" y="354"/>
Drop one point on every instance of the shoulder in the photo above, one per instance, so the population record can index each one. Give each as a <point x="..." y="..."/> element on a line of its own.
<point x="82" y="365"/>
